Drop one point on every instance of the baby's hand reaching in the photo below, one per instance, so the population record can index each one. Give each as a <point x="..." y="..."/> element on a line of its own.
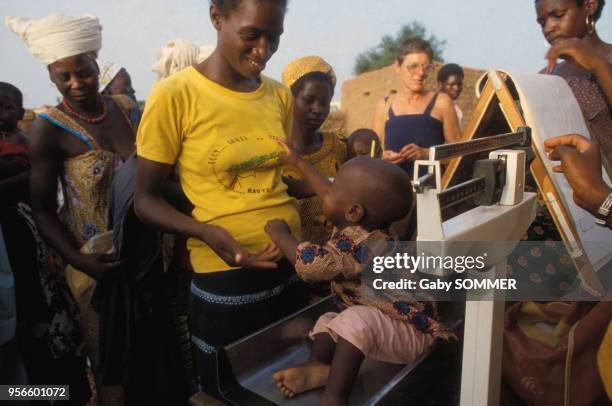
<point x="276" y="228"/>
<point x="290" y="156"/>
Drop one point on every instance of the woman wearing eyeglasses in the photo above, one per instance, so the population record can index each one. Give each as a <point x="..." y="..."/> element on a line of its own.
<point x="414" y="119"/>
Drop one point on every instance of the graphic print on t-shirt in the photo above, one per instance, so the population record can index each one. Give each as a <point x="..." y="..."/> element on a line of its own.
<point x="241" y="164"/>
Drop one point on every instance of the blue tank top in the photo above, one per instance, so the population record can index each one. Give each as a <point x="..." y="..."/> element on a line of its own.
<point x="420" y="129"/>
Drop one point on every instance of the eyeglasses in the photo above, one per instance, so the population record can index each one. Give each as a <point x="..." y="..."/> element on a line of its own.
<point x="414" y="67"/>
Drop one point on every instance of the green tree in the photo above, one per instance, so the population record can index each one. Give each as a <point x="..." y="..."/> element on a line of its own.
<point x="384" y="53"/>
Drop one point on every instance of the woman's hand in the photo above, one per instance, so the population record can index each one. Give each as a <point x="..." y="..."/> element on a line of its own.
<point x="581" y="165"/>
<point x="412" y="152"/>
<point x="575" y="50"/>
<point x="269" y="253"/>
<point x="392" y="157"/>
<point x="290" y="156"/>
<point x="226" y="247"/>
<point x="95" y="265"/>
<point x="585" y="56"/>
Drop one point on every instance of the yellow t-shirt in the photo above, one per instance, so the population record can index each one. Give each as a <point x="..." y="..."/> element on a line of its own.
<point x="223" y="142"/>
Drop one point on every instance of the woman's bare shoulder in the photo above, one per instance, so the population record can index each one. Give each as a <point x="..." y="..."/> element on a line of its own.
<point x="444" y="101"/>
<point x="42" y="128"/>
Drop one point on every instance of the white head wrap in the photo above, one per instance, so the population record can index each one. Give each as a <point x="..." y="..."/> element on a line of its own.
<point x="179" y="54"/>
<point x="108" y="71"/>
<point x="58" y="36"/>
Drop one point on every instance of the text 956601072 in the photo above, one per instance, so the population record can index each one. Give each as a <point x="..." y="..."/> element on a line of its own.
<point x="34" y="392"/>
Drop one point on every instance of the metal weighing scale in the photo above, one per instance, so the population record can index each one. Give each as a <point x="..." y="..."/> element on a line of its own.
<point x="504" y="213"/>
<point x="242" y="371"/>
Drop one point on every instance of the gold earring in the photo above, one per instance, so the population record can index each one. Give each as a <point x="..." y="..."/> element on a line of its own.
<point x="590" y="23"/>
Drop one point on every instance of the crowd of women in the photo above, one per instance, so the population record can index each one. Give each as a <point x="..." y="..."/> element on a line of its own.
<point x="138" y="244"/>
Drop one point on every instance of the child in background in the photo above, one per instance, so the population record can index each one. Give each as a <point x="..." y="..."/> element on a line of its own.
<point x="11" y="111"/>
<point x="312" y="82"/>
<point x="359" y="143"/>
<point x="14" y="152"/>
<point x="450" y="81"/>
<point x="366" y="196"/>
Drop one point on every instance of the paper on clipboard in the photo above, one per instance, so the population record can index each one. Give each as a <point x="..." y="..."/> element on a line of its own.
<point x="550" y="109"/>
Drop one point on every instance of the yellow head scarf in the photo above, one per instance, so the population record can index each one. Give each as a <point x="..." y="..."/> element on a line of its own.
<point x="305" y="65"/>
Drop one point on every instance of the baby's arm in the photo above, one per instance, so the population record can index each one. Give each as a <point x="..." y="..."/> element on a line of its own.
<point x="280" y="233"/>
<point x="317" y="263"/>
<point x="319" y="183"/>
<point x="298" y="188"/>
<point x="313" y="262"/>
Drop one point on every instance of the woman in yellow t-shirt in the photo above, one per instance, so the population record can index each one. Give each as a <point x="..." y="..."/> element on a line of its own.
<point x="312" y="82"/>
<point x="218" y="121"/>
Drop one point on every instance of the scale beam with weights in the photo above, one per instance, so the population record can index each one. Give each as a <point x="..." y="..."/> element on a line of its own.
<point x="503" y="212"/>
<point x="499" y="179"/>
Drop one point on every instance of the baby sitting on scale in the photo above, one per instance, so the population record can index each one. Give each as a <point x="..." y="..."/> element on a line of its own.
<point x="366" y="196"/>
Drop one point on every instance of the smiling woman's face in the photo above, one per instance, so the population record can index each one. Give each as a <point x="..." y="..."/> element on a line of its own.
<point x="250" y="34"/>
<point x="561" y="19"/>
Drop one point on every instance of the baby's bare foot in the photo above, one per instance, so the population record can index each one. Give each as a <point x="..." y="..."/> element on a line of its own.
<point x="302" y="378"/>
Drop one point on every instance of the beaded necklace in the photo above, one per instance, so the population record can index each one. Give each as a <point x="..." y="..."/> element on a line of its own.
<point x="91" y="120"/>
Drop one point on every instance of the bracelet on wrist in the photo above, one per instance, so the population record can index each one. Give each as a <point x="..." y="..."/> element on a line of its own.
<point x="603" y="212"/>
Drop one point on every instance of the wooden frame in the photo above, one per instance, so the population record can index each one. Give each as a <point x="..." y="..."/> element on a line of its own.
<point x="496" y="93"/>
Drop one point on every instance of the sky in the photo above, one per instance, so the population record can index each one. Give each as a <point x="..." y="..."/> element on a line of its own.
<point x="481" y="34"/>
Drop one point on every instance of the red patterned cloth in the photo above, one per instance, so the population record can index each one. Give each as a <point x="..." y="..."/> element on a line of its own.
<point x="15" y="152"/>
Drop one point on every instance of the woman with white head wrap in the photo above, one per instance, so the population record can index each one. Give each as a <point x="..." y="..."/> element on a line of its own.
<point x="114" y="80"/>
<point x="58" y="36"/>
<point x="81" y="141"/>
<point x="179" y="54"/>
